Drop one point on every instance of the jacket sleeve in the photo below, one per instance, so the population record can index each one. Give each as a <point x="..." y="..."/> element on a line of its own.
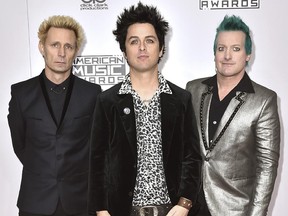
<point x="267" y="156"/>
<point x="17" y="125"/>
<point x="192" y="161"/>
<point x="98" y="147"/>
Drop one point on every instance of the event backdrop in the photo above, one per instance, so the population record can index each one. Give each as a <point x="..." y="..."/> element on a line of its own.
<point x="189" y="43"/>
<point x="189" y="55"/>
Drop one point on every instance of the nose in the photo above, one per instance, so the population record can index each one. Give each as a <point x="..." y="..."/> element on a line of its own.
<point x="227" y="54"/>
<point x="142" y="46"/>
<point x="61" y="51"/>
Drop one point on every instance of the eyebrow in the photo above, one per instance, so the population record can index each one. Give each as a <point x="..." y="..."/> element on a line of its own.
<point x="64" y="44"/>
<point x="220" y="44"/>
<point x="149" y="36"/>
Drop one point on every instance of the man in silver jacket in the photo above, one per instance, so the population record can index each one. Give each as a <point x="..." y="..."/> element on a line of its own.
<point x="239" y="128"/>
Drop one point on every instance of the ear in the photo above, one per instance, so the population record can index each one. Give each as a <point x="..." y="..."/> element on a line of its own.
<point x="161" y="52"/>
<point x="248" y="58"/>
<point x="124" y="54"/>
<point x="41" y="48"/>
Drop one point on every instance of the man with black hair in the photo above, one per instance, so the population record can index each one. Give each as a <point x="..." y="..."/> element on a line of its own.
<point x="145" y="156"/>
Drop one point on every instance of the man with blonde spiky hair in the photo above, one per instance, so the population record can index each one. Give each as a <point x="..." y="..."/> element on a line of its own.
<point x="50" y="119"/>
<point x="64" y="22"/>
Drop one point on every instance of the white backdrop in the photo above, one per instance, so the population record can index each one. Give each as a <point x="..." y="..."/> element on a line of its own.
<point x="189" y="55"/>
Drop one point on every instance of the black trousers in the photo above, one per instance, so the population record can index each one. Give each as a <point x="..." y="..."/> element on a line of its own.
<point x="58" y="212"/>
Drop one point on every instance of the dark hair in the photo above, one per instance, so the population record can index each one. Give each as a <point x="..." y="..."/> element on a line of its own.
<point x="234" y="23"/>
<point x="141" y="14"/>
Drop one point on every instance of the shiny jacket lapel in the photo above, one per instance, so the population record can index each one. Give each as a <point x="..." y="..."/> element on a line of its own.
<point x="228" y="116"/>
<point x="206" y="98"/>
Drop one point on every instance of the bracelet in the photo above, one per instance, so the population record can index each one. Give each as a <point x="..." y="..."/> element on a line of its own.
<point x="186" y="203"/>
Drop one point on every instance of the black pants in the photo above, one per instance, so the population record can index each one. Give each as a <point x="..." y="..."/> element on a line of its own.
<point x="58" y="212"/>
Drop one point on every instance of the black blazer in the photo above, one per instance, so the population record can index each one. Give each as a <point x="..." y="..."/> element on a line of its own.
<point x="55" y="158"/>
<point x="114" y="150"/>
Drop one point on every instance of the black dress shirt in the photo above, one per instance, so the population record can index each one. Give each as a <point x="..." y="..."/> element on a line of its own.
<point x="57" y="94"/>
<point x="217" y="107"/>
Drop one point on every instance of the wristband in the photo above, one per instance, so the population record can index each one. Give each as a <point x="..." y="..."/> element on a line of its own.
<point x="186" y="203"/>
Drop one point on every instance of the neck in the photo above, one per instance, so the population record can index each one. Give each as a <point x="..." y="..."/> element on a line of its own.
<point x="56" y="78"/>
<point x="145" y="84"/>
<point x="227" y="84"/>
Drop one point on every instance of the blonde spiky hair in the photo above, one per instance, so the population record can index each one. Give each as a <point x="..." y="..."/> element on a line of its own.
<point x="61" y="21"/>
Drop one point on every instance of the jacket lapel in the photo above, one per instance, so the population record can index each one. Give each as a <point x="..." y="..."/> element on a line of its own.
<point x="48" y="103"/>
<point x="226" y="119"/>
<point x="126" y="110"/>
<point x="206" y="98"/>
<point x="228" y="116"/>
<point x="67" y="98"/>
<point x="44" y="91"/>
<point x="168" y="118"/>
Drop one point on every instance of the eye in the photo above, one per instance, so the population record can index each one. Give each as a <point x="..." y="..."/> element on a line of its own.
<point x="149" y="40"/>
<point x="55" y="45"/>
<point x="134" y="41"/>
<point x="220" y="48"/>
<point x="68" y="47"/>
<point x="236" y="49"/>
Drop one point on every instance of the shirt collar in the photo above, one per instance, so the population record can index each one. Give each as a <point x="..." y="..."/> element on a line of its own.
<point x="245" y="84"/>
<point x="126" y="86"/>
<point x="49" y="84"/>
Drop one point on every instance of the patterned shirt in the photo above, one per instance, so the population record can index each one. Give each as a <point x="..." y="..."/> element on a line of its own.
<point x="150" y="188"/>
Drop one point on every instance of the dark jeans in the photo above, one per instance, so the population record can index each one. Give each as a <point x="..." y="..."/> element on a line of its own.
<point x="58" y="212"/>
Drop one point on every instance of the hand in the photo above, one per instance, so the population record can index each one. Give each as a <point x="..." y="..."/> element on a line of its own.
<point x="102" y="213"/>
<point x="178" y="211"/>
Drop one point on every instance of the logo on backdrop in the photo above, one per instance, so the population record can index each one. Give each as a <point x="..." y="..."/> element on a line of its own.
<point x="93" y="5"/>
<point x="106" y="70"/>
<point x="228" y="4"/>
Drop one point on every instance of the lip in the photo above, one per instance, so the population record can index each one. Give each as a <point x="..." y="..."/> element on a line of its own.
<point x="143" y="56"/>
<point x="227" y="63"/>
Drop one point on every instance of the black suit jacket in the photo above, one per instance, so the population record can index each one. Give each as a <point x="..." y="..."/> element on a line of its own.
<point x="114" y="150"/>
<point x="55" y="158"/>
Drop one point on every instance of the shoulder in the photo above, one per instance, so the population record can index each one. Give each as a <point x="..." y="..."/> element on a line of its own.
<point x="111" y="92"/>
<point x="196" y="82"/>
<point x="178" y="92"/>
<point x="110" y="97"/>
<point x="85" y="84"/>
<point x="26" y="85"/>
<point x="261" y="90"/>
<point x="197" y="86"/>
<point x="175" y="88"/>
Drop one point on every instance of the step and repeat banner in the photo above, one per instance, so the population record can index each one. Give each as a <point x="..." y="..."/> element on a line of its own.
<point x="189" y="42"/>
<point x="189" y="48"/>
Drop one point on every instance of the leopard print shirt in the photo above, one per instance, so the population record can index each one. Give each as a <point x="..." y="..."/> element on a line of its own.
<point x="150" y="188"/>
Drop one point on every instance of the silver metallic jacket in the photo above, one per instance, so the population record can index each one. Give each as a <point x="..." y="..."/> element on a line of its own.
<point x="240" y="168"/>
